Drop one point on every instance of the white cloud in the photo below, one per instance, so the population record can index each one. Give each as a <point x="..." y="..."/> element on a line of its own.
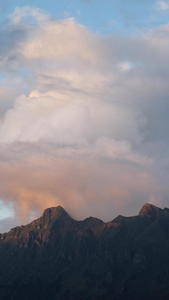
<point x="163" y="5"/>
<point x="64" y="39"/>
<point x="28" y="15"/>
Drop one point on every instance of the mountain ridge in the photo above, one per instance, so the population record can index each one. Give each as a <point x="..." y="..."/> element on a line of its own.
<point x="58" y="258"/>
<point x="58" y="212"/>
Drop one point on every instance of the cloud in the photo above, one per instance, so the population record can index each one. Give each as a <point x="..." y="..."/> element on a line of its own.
<point x="27" y="15"/>
<point x="85" y="183"/>
<point x="163" y="5"/>
<point x="83" y="117"/>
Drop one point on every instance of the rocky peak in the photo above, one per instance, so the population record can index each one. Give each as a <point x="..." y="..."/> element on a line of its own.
<point x="150" y="210"/>
<point x="49" y="216"/>
<point x="55" y="213"/>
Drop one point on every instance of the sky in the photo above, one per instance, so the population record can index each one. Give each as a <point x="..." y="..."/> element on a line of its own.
<point x="84" y="104"/>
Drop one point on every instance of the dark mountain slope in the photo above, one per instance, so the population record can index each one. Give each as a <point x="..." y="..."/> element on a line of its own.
<point x="56" y="257"/>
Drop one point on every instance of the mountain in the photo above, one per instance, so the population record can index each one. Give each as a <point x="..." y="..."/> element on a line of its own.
<point x="58" y="258"/>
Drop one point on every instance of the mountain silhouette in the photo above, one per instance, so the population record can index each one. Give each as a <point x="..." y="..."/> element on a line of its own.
<point x="58" y="258"/>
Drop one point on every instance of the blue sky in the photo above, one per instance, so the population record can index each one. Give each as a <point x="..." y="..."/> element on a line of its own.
<point x="101" y="16"/>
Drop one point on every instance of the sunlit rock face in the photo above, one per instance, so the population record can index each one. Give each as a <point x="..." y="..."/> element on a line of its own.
<point x="57" y="257"/>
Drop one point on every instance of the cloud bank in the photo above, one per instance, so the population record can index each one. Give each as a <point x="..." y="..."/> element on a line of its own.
<point x="83" y="117"/>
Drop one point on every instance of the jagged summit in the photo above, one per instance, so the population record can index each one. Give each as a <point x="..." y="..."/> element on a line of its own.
<point x="55" y="213"/>
<point x="150" y="210"/>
